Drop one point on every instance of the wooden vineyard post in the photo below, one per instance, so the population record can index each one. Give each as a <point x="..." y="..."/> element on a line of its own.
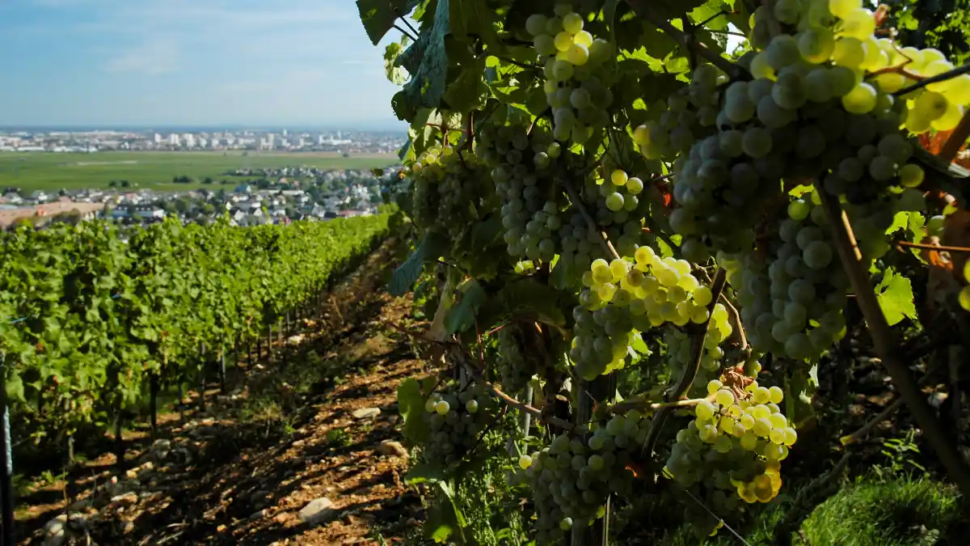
<point x="588" y="394"/>
<point x="6" y="461"/>
<point x="222" y="370"/>
<point x="269" y="344"/>
<point x="181" y="398"/>
<point x="119" y="440"/>
<point x="202" y="368"/>
<point x="153" y="388"/>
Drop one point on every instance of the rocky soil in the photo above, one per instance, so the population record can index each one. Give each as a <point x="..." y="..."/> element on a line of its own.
<point x="324" y="465"/>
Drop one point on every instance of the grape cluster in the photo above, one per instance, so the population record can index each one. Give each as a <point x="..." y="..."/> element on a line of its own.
<point x="576" y="86"/>
<point x="734" y="444"/>
<point x="793" y="290"/>
<point x="692" y="114"/>
<point x="622" y="296"/>
<point x="580" y="246"/>
<point x="810" y="113"/>
<point x="456" y="418"/>
<point x="445" y="186"/>
<point x="522" y="175"/>
<point x="712" y="358"/>
<point x="515" y="371"/>
<point x="571" y="479"/>
<point x="619" y="210"/>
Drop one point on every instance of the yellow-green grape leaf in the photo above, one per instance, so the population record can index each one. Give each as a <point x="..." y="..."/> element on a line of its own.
<point x="895" y="295"/>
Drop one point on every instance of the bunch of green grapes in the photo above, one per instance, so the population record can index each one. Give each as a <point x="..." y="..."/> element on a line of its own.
<point x="820" y="107"/>
<point x="678" y="352"/>
<point x="445" y="187"/>
<point x="570" y="480"/>
<point x="576" y="83"/>
<point x="841" y="34"/>
<point x="622" y="296"/>
<point x="579" y="247"/>
<point x="793" y="289"/>
<point x="456" y="418"/>
<point x="692" y="113"/>
<point x="514" y="370"/>
<point x="731" y="451"/>
<point x="619" y="210"/>
<point x="522" y="172"/>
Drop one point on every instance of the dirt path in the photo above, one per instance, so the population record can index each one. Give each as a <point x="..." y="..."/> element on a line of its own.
<point x="304" y="452"/>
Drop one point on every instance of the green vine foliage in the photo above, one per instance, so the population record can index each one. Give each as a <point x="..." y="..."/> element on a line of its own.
<point x="650" y="194"/>
<point x="89" y="313"/>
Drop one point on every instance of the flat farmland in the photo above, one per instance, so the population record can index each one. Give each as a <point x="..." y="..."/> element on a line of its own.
<point x="155" y="170"/>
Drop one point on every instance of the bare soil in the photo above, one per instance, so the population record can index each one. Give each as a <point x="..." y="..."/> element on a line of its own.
<point x="230" y="476"/>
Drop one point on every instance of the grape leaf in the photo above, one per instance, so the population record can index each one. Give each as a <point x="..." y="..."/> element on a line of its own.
<point x="425" y="472"/>
<point x="469" y="90"/>
<point x="445" y="519"/>
<point x="15" y="389"/>
<point x="472" y="17"/>
<point x="671" y="9"/>
<point x="461" y="316"/>
<point x="895" y="295"/>
<point x="394" y="72"/>
<point x="532" y="299"/>
<point x="410" y="404"/>
<point x="427" y="62"/>
<point x="422" y="130"/>
<point x="378" y="16"/>
<point x="404" y="277"/>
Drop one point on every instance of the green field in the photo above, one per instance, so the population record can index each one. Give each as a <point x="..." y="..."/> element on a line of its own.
<point x="55" y="171"/>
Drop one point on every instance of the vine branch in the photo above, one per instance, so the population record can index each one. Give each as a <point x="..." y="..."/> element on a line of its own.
<point x="949" y="75"/>
<point x="460" y="357"/>
<point x="737" y="320"/>
<point x="406" y="33"/>
<point x="690" y="372"/>
<point x="567" y="184"/>
<point x="886" y="345"/>
<point x="405" y="21"/>
<point x="645" y="12"/>
<point x="640" y="403"/>
<point x="938" y="248"/>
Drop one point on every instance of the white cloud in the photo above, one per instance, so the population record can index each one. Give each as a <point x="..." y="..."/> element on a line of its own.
<point x="154" y="56"/>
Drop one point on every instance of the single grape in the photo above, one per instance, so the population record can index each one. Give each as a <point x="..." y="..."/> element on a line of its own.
<point x="571" y="23"/>
<point x="705" y="411"/>
<point x="618" y="177"/>
<point x="861" y="99"/>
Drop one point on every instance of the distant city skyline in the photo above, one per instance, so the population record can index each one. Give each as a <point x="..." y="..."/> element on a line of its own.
<point x="391" y="126"/>
<point x="263" y="64"/>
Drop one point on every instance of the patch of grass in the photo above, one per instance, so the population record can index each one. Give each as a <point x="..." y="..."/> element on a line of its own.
<point x="897" y="512"/>
<point x="266" y="411"/>
<point x="155" y="170"/>
<point x="338" y="437"/>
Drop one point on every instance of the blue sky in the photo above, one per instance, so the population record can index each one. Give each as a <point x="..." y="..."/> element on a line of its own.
<point x="190" y="62"/>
